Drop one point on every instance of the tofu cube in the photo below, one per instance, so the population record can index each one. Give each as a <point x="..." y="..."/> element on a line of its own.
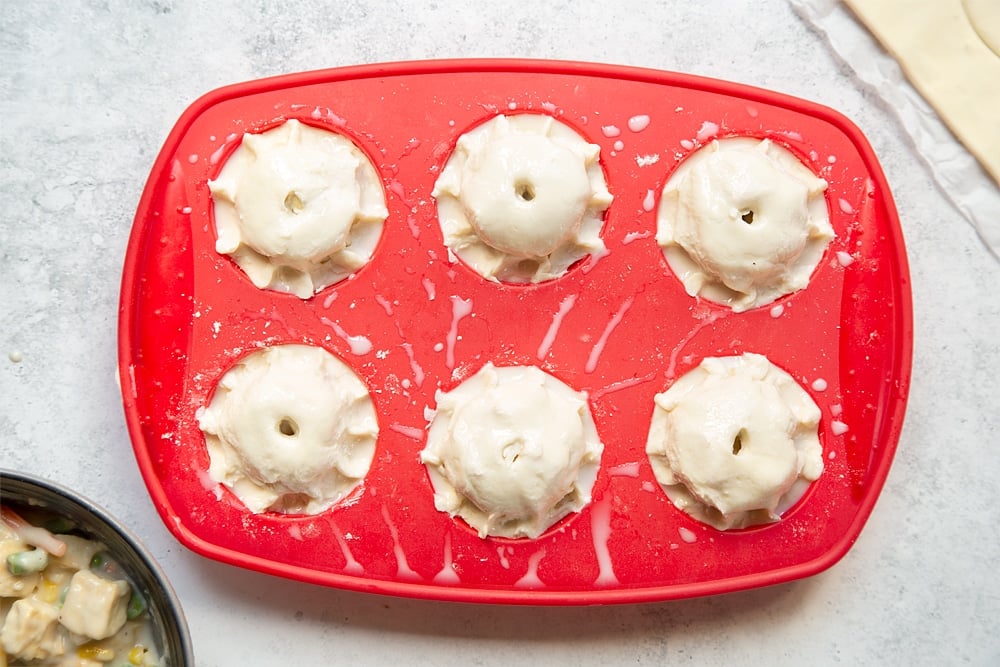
<point x="94" y="606"/>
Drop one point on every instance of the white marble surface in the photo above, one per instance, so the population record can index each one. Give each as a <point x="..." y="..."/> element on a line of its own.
<point x="88" y="91"/>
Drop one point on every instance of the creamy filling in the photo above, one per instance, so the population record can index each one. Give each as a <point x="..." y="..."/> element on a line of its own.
<point x="65" y="601"/>
<point x="290" y="429"/>
<point x="735" y="442"/>
<point x="511" y="451"/>
<point x="522" y="198"/>
<point x="298" y="208"/>
<point x="742" y="222"/>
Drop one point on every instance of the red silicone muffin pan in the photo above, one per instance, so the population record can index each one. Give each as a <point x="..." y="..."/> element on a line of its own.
<point x="619" y="327"/>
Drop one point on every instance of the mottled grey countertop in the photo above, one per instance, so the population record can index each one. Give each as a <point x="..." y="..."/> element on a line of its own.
<point x="89" y="91"/>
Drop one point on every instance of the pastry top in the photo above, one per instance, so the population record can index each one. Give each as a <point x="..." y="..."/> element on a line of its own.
<point x="522" y="198"/>
<point x="730" y="440"/>
<point x="290" y="429"/>
<point x="512" y="450"/>
<point x="298" y="208"/>
<point x="743" y="222"/>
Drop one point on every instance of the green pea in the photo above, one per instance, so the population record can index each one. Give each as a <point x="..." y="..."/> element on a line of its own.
<point x="136" y="606"/>
<point x="27" y="562"/>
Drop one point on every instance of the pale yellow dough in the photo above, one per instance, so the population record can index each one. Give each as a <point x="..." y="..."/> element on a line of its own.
<point x="943" y="46"/>
<point x="734" y="442"/>
<point x="522" y="198"/>
<point x="290" y="429"/>
<point x="298" y="208"/>
<point x="984" y="15"/>
<point x="512" y="450"/>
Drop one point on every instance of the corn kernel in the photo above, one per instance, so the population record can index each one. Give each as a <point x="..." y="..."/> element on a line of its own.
<point x="95" y="652"/>
<point x="49" y="591"/>
<point x="136" y="655"/>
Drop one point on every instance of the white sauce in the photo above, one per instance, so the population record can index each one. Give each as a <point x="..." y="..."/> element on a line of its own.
<point x="635" y="236"/>
<point x="649" y="201"/>
<point x="411" y="432"/>
<point x="418" y="371"/>
<point x="530" y="578"/>
<point x="622" y="384"/>
<point x="351" y="565"/>
<point x="359" y="345"/>
<point x="687" y="535"/>
<point x="638" y="123"/>
<point x="601" y="532"/>
<point x="385" y="303"/>
<point x="460" y="308"/>
<point x="447" y="576"/>
<point x="707" y="130"/>
<point x="595" y="352"/>
<point x="550" y="336"/>
<point x="630" y="469"/>
<point x="403" y="570"/>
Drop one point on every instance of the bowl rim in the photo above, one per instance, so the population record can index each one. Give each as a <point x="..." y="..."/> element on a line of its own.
<point x="173" y="611"/>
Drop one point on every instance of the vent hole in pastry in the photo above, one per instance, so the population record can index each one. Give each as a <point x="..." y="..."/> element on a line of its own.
<point x="525" y="191"/>
<point x="512" y="451"/>
<point x="293" y="203"/>
<point x="747" y="217"/>
<point x="287" y="426"/>
<point x="738" y="442"/>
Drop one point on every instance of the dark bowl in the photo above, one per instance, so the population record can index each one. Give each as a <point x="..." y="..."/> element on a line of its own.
<point x="170" y="628"/>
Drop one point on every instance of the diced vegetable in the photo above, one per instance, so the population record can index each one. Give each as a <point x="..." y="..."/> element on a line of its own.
<point x="136" y="606"/>
<point x="79" y="552"/>
<point x="31" y="631"/>
<point x="33" y="535"/>
<point x="68" y="609"/>
<point x="27" y="562"/>
<point x="58" y="525"/>
<point x="95" y="606"/>
<point x="95" y="652"/>
<point x="137" y="655"/>
<point x="50" y="591"/>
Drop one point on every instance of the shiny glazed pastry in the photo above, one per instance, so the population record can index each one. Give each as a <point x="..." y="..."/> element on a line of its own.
<point x="734" y="442"/>
<point x="290" y="429"/>
<point x="742" y="222"/>
<point x="298" y="208"/>
<point x="511" y="451"/>
<point x="522" y="198"/>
